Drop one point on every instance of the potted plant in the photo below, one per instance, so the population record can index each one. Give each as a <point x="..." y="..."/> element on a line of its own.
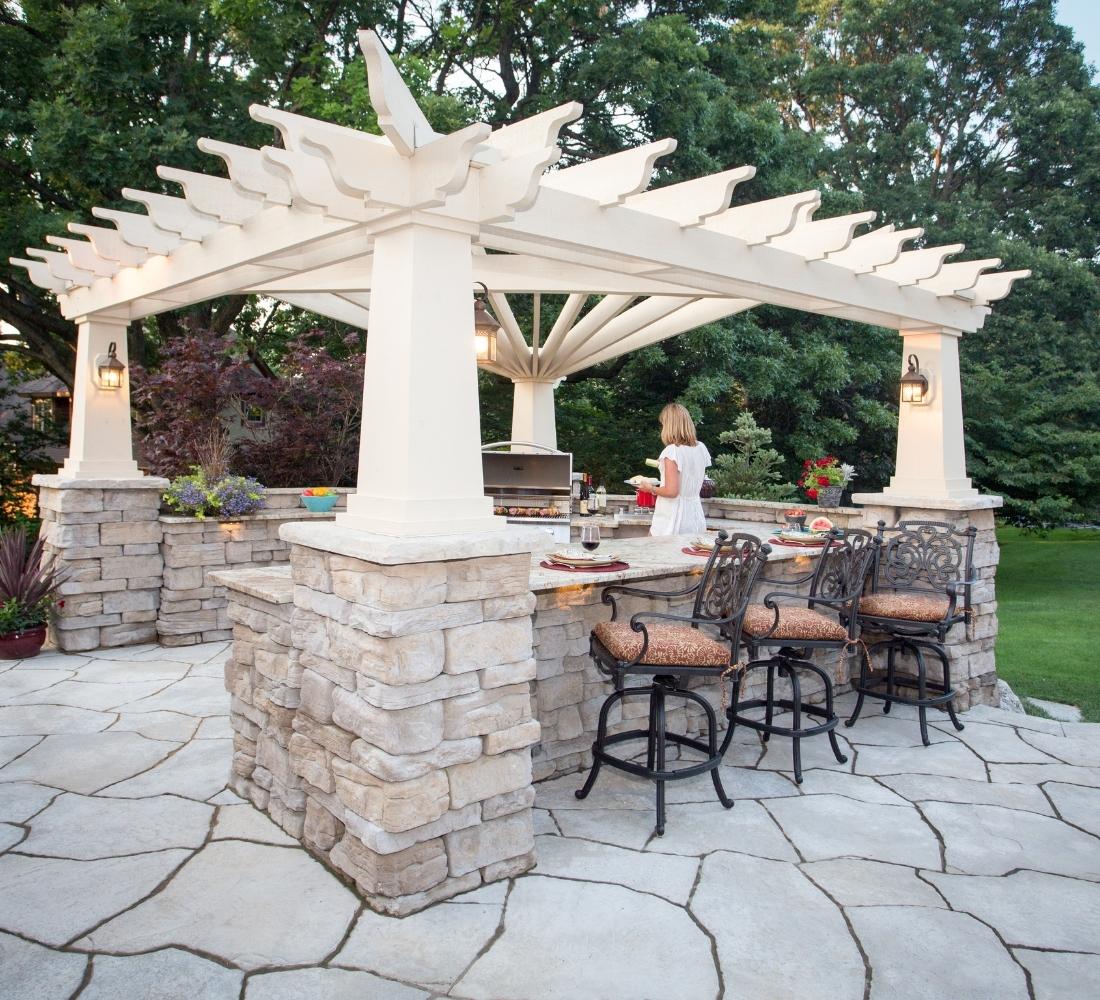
<point x="29" y="587"/>
<point x="225" y="497"/>
<point x="319" y="499"/>
<point x="824" y="479"/>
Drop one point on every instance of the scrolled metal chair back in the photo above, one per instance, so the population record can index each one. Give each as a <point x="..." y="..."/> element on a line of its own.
<point x="923" y="556"/>
<point x="728" y="579"/>
<point x="842" y="567"/>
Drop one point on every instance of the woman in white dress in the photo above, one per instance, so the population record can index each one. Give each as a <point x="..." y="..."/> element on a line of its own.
<point x="684" y="462"/>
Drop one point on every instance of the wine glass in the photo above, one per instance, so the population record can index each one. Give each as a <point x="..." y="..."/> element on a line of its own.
<point x="590" y="537"/>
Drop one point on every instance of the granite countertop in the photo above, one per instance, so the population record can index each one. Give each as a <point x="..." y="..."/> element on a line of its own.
<point x="649" y="557"/>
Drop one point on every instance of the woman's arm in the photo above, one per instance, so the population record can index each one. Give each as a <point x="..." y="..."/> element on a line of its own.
<point x="670" y="472"/>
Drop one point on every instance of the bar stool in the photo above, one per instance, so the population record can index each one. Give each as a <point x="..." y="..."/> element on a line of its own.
<point x="921" y="572"/>
<point x="836" y="584"/>
<point x="670" y="649"/>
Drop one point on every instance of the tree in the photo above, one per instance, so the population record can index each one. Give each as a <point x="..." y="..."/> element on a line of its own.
<point x="751" y="470"/>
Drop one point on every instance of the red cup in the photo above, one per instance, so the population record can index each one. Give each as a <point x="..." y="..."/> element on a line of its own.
<point x="646" y="499"/>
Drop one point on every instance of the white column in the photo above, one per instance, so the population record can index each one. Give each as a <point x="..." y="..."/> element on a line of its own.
<point x="931" y="460"/>
<point x="101" y="439"/>
<point x="533" y="418"/>
<point x="420" y="453"/>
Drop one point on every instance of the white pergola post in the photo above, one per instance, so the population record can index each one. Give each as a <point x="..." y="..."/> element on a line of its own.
<point x="100" y="440"/>
<point x="420" y="453"/>
<point x="931" y="457"/>
<point x="533" y="419"/>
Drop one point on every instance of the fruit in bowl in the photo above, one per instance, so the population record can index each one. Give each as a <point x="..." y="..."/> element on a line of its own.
<point x="319" y="499"/>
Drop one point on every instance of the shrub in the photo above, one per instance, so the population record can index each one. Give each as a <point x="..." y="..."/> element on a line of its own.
<point x="227" y="497"/>
<point x="29" y="583"/>
<point x="751" y="470"/>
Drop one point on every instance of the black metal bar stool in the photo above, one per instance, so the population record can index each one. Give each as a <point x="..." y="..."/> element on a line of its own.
<point x="835" y="583"/>
<point x="921" y="572"/>
<point x="670" y="649"/>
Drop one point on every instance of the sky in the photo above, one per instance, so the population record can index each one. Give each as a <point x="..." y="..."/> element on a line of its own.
<point x="1083" y="16"/>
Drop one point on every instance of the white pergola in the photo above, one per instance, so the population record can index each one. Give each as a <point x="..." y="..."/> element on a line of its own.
<point x="393" y="230"/>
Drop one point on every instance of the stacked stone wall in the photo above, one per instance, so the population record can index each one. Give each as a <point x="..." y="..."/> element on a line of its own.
<point x="390" y="731"/>
<point x="107" y="534"/>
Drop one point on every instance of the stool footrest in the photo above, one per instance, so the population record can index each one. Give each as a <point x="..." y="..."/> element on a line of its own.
<point x="816" y="711"/>
<point x="644" y="772"/>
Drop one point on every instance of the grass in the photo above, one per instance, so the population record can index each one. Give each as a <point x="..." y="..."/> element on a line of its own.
<point x="1048" y="602"/>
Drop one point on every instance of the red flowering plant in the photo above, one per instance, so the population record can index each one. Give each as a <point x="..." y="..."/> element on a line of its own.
<point x="821" y="473"/>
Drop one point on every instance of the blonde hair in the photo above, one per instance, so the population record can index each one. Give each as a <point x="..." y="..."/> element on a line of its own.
<point x="677" y="427"/>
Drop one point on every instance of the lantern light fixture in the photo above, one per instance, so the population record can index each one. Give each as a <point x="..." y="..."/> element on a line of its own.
<point x="485" y="329"/>
<point x="111" y="369"/>
<point x="914" y="384"/>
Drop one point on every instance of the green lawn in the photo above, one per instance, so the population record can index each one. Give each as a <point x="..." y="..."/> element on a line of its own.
<point x="1048" y="602"/>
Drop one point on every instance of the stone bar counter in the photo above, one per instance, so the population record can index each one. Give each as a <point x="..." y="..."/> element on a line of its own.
<point x="393" y="700"/>
<point x="389" y="714"/>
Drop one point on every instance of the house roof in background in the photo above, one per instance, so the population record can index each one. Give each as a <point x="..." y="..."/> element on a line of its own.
<point x="47" y="385"/>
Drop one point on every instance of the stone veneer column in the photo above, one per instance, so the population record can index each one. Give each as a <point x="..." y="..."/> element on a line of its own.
<point x="107" y="533"/>
<point x="392" y="734"/>
<point x="970" y="648"/>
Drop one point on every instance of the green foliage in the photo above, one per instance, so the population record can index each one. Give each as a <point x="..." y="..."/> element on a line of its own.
<point x="225" y="497"/>
<point x="976" y="119"/>
<point x="751" y="469"/>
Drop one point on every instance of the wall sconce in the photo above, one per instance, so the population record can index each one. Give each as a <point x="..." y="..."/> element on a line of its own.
<point x="914" y="385"/>
<point x="485" y="330"/>
<point x="110" y="369"/>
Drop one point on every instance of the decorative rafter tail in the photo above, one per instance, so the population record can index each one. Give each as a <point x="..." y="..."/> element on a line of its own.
<point x="213" y="196"/>
<point x="612" y="179"/>
<point x="691" y="203"/>
<point x="814" y="240"/>
<point x="40" y="274"/>
<point x="83" y="255"/>
<point x="955" y="278"/>
<point x="247" y="171"/>
<point x="913" y="265"/>
<point x="865" y="253"/>
<point x="174" y="215"/>
<point x="760" y="221"/>
<point x="536" y="132"/>
<point x="399" y="116"/>
<point x="991" y="287"/>
<point x="110" y="245"/>
<point x="139" y="231"/>
<point x="61" y="267"/>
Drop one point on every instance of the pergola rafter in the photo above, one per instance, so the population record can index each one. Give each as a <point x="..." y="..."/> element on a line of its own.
<point x="323" y="220"/>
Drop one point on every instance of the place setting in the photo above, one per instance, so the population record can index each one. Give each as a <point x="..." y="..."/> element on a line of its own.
<point x="587" y="559"/>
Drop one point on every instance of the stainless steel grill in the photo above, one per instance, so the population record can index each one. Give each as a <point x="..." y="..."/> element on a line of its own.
<point x="528" y="487"/>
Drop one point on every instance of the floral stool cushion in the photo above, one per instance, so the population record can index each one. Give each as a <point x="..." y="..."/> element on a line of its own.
<point x="907" y="607"/>
<point x="671" y="645"/>
<point x="794" y="624"/>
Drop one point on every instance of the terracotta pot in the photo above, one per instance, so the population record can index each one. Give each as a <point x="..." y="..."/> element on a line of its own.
<point x="21" y="645"/>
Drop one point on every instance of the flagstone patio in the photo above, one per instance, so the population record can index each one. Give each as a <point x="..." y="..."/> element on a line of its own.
<point x="970" y="868"/>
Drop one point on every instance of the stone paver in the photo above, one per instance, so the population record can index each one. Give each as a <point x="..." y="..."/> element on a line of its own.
<point x="560" y="937"/>
<point x="90" y="827"/>
<point x="757" y="910"/>
<point x="32" y="972"/>
<point x="989" y="840"/>
<point x="987" y="973"/>
<point x="1056" y="976"/>
<point x="125" y="862"/>
<point x="433" y="947"/>
<point x="1045" y="911"/>
<point x="250" y="904"/>
<point x="170" y="974"/>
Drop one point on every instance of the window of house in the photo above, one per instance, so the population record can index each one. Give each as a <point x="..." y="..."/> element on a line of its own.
<point x="42" y="414"/>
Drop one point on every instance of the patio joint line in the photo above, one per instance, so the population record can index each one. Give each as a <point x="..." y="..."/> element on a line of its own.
<point x="706" y="930"/>
<point x="487" y="946"/>
<point x="868" y="971"/>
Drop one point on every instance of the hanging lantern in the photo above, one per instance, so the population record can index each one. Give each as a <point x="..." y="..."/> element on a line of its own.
<point x="485" y="330"/>
<point x="914" y="385"/>
<point x="111" y="369"/>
